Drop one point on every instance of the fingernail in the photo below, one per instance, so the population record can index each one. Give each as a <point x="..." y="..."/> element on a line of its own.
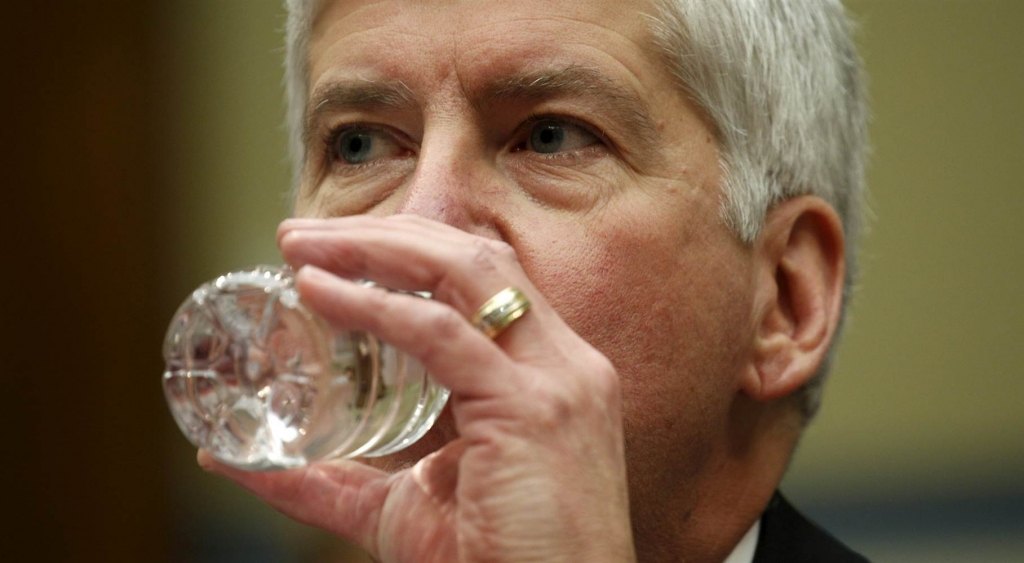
<point x="313" y="274"/>
<point x="290" y="225"/>
<point x="205" y="460"/>
<point x="298" y="222"/>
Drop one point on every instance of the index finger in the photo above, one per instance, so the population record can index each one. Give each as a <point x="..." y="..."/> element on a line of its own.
<point x="458" y="268"/>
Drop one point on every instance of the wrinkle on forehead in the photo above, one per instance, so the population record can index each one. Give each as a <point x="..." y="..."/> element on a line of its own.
<point x="462" y="28"/>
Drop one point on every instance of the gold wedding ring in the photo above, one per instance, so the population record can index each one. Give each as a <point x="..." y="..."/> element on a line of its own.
<point x="500" y="311"/>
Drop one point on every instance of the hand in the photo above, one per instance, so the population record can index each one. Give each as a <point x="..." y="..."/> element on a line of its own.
<point x="537" y="472"/>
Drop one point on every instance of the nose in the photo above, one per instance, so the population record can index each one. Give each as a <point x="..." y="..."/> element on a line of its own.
<point x="451" y="182"/>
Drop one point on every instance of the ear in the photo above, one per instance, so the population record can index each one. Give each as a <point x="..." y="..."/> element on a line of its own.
<point x="799" y="261"/>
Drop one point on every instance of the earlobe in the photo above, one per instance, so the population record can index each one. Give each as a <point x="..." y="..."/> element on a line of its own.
<point x="798" y="299"/>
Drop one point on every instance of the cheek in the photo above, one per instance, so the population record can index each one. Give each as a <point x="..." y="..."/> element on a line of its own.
<point x="645" y="300"/>
<point x="672" y="314"/>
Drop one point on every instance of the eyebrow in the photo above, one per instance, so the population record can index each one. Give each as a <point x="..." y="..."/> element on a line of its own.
<point x="356" y="94"/>
<point x="609" y="95"/>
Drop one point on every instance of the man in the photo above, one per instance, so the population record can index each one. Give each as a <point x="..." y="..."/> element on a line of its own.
<point x="672" y="185"/>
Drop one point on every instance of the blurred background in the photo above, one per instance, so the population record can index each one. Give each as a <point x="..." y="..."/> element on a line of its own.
<point x="144" y="153"/>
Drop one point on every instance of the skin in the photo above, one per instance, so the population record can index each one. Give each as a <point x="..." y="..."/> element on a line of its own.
<point x="642" y="410"/>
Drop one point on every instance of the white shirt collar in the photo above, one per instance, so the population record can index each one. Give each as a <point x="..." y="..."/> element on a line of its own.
<point x="744" y="551"/>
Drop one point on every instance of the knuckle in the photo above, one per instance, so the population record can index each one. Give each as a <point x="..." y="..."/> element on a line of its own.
<point x="605" y="378"/>
<point x="380" y="300"/>
<point x="444" y="325"/>
<point x="447" y="287"/>
<point x="588" y="388"/>
<point x="553" y="410"/>
<point x="488" y="253"/>
<point x="583" y="393"/>
<point x="376" y="295"/>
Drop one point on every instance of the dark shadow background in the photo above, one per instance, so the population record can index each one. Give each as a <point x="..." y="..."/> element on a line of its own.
<point x="81" y="322"/>
<point x="143" y="153"/>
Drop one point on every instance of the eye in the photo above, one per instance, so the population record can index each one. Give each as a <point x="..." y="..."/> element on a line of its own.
<point x="354" y="146"/>
<point x="358" y="145"/>
<point x="550" y="136"/>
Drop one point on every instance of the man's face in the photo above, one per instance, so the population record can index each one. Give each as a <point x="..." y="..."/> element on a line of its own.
<point x="556" y="127"/>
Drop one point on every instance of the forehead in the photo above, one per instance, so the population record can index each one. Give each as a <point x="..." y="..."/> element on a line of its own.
<point x="478" y="40"/>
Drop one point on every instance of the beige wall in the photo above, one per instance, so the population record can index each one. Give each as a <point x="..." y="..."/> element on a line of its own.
<point x="930" y="382"/>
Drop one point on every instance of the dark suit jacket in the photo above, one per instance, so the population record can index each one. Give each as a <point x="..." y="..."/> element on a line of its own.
<point x="787" y="537"/>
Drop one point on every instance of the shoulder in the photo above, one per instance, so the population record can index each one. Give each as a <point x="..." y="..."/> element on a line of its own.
<point x="786" y="536"/>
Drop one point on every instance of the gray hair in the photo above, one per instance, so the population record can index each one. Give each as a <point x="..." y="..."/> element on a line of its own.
<point x="301" y="15"/>
<point x="778" y="80"/>
<point x="781" y="83"/>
